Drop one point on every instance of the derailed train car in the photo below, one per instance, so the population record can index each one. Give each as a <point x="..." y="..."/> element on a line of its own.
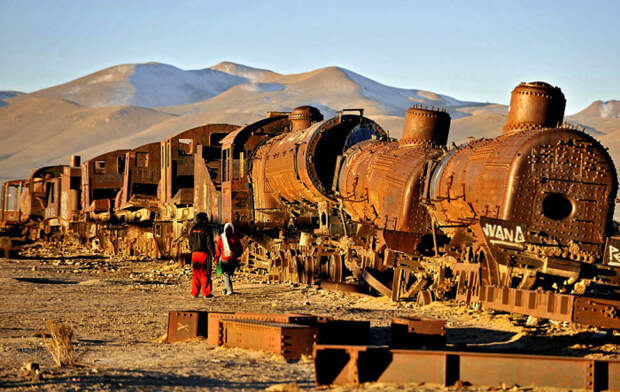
<point x="498" y="221"/>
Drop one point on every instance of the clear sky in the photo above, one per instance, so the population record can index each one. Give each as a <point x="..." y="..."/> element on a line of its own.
<point x="470" y="50"/>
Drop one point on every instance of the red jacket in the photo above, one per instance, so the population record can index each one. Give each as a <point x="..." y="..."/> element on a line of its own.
<point x="235" y="248"/>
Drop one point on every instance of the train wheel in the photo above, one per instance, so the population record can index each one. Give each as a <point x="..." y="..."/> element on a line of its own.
<point x="335" y="267"/>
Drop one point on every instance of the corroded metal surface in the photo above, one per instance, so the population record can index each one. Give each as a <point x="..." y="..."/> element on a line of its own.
<point x="184" y="325"/>
<point x="177" y="160"/>
<point x="288" y="340"/>
<point x="247" y="200"/>
<point x="304" y="116"/>
<point x="102" y="178"/>
<point x="298" y="168"/>
<point x="414" y="332"/>
<point x="602" y="312"/>
<point x="425" y="126"/>
<point x="535" y="105"/>
<point x="355" y="365"/>
<point x="140" y="180"/>
<point x="381" y="184"/>
<point x="215" y="326"/>
<point x="11" y="193"/>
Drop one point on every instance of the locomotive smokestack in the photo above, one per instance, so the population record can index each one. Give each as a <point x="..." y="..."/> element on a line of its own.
<point x="425" y="125"/>
<point x="74" y="161"/>
<point x="304" y="116"/>
<point x="535" y="105"/>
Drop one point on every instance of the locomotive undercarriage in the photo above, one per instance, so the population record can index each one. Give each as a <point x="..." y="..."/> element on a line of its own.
<point x="467" y="272"/>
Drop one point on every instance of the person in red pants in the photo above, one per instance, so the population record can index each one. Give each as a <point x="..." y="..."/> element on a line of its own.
<point x="202" y="247"/>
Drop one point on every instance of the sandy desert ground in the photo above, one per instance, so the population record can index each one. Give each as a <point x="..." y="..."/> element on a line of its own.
<point x="118" y="311"/>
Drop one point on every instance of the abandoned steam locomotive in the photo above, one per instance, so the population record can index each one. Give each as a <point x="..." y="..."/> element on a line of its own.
<point x="521" y="222"/>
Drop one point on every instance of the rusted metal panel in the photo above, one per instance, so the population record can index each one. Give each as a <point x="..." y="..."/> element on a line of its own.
<point x="414" y="332"/>
<point x="355" y="364"/>
<point x="184" y="325"/>
<point x="289" y="340"/>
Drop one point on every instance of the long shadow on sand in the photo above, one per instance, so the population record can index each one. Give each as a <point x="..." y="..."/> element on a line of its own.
<point x="45" y="281"/>
<point x="578" y="344"/>
<point x="55" y="258"/>
<point x="128" y="380"/>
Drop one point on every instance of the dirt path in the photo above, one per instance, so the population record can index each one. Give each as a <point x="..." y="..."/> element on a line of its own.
<point x="118" y="310"/>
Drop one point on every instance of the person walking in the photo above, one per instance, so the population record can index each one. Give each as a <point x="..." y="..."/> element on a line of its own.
<point x="201" y="245"/>
<point x="228" y="250"/>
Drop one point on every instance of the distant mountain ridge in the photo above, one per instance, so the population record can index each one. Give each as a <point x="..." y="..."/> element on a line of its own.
<point x="155" y="85"/>
<point x="602" y="109"/>
<point x="147" y="85"/>
<point x="8" y="94"/>
<point x="127" y="105"/>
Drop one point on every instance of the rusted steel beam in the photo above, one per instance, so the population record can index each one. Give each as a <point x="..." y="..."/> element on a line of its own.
<point x="216" y="332"/>
<point x="604" y="313"/>
<point x="535" y="303"/>
<point x="376" y="284"/>
<point x="414" y="332"/>
<point x="184" y="325"/>
<point x="289" y="340"/>
<point x="357" y="364"/>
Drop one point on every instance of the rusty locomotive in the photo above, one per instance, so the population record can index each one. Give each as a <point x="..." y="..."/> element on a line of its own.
<point x="521" y="222"/>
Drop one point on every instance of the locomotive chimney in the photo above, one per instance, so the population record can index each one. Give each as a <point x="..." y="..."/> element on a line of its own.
<point x="535" y="105"/>
<point x="304" y="116"/>
<point x="74" y="161"/>
<point x="425" y="125"/>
